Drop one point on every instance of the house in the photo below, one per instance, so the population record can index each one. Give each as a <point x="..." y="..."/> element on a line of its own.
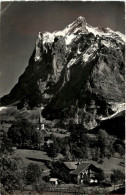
<point x="48" y="143"/>
<point x="85" y="173"/>
<point x="54" y="181"/>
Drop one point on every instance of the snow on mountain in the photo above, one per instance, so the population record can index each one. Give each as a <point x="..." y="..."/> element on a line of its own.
<point x="73" y="30"/>
<point x="121" y="35"/>
<point x="77" y="27"/>
<point x="69" y="39"/>
<point x="48" y="37"/>
<point x="117" y="108"/>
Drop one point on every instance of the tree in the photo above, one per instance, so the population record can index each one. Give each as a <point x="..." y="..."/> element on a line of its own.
<point x="105" y="142"/>
<point x="95" y="153"/>
<point x="24" y="134"/>
<point x="102" y="136"/>
<point x="53" y="150"/>
<point x="10" y="176"/>
<point x="77" y="152"/>
<point x="79" y="141"/>
<point x="100" y="176"/>
<point x="78" y="133"/>
<point x="117" y="176"/>
<point x="63" y="145"/>
<point x="60" y="145"/>
<point x="61" y="173"/>
<point x="33" y="173"/>
<point x="120" y="149"/>
<point x="6" y="144"/>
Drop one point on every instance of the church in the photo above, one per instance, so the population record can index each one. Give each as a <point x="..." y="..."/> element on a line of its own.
<point x="44" y="132"/>
<point x="40" y="123"/>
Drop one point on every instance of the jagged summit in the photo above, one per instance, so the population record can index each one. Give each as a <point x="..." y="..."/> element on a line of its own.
<point x="81" y="18"/>
<point x="79" y="26"/>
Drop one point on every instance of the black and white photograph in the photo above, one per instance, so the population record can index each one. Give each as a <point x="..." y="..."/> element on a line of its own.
<point x="62" y="97"/>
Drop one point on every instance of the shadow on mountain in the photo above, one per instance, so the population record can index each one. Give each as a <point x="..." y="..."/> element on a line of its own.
<point x="114" y="126"/>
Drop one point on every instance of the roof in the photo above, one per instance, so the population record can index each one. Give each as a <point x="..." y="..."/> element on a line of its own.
<point x="45" y="133"/>
<point x="80" y="168"/>
<point x="53" y="179"/>
<point x="71" y="165"/>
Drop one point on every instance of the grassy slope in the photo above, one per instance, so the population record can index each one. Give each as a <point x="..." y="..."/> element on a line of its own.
<point x="109" y="164"/>
<point x="31" y="156"/>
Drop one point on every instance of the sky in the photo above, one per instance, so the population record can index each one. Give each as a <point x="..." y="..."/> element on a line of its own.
<point x="21" y="22"/>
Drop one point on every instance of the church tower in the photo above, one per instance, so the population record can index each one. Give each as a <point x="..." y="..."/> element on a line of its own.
<point x="41" y="125"/>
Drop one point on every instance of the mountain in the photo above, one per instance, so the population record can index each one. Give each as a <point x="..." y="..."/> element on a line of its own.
<point x="76" y="73"/>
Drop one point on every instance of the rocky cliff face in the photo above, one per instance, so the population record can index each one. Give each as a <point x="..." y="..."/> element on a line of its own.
<point x="77" y="72"/>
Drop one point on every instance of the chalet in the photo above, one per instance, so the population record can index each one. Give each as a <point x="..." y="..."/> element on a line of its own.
<point x="85" y="173"/>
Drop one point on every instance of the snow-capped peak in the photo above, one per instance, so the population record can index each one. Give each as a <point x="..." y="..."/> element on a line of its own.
<point x="70" y="32"/>
<point x="79" y="26"/>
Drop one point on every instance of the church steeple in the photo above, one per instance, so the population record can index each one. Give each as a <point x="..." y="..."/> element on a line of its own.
<point x="41" y="124"/>
<point x="40" y="118"/>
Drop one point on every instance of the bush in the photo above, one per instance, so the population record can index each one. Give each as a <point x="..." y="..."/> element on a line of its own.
<point x="24" y="134"/>
<point x="59" y="145"/>
<point x="33" y="173"/>
<point x="117" y="176"/>
<point x="10" y="177"/>
<point x="106" y="184"/>
<point x="6" y="144"/>
<point x="60" y="172"/>
<point x="119" y="148"/>
<point x="46" y="178"/>
<point x="100" y="176"/>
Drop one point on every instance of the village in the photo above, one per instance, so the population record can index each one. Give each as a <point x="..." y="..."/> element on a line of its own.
<point x="59" y="168"/>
